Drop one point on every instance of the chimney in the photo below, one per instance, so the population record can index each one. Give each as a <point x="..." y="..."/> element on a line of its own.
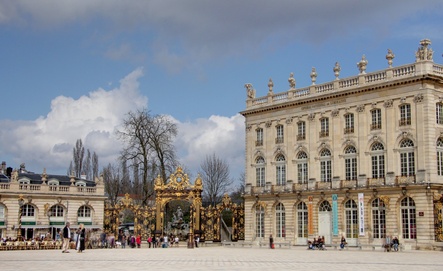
<point x="3" y="168"/>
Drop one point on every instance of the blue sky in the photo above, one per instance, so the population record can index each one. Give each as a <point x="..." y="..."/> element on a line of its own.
<point x="72" y="69"/>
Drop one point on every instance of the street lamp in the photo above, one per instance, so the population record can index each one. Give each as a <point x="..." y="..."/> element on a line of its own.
<point x="21" y="202"/>
<point x="191" y="228"/>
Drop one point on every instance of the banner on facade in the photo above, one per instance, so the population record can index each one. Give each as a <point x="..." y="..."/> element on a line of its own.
<point x="361" y="214"/>
<point x="310" y="214"/>
<point x="334" y="215"/>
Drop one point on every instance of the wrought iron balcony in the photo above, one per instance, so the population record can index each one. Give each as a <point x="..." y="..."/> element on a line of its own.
<point x="324" y="134"/>
<point x="375" y="126"/>
<point x="349" y="130"/>
<point x="404" y="122"/>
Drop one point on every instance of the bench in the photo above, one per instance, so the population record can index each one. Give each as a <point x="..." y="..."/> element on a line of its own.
<point x="236" y="244"/>
<point x="335" y="246"/>
<point x="276" y="244"/>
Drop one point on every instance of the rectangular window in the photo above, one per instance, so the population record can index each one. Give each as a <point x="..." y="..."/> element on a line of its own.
<point x="439" y="113"/>
<point x="351" y="168"/>
<point x="440" y="163"/>
<point x="259" y="141"/>
<point x="378" y="166"/>
<point x="324" y="127"/>
<point x="405" y="114"/>
<point x="260" y="176"/>
<point x="302" y="169"/>
<point x="376" y="119"/>
<point x="280" y="136"/>
<point x="281" y="174"/>
<point x="349" y="124"/>
<point x="407" y="165"/>
<point x="326" y="171"/>
<point x="301" y="130"/>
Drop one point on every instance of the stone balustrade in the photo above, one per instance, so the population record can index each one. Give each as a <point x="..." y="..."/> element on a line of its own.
<point x="55" y="189"/>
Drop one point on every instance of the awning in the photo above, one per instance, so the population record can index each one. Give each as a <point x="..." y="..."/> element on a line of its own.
<point x="35" y="226"/>
<point x="87" y="226"/>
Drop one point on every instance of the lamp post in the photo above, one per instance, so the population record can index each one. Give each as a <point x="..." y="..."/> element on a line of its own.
<point x="21" y="202"/>
<point x="191" y="228"/>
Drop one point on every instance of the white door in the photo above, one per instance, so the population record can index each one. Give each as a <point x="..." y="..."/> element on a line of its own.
<point x="325" y="226"/>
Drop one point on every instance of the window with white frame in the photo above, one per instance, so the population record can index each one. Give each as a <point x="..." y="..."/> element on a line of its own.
<point x="351" y="215"/>
<point x="280" y="221"/>
<point x="440" y="156"/>
<point x="84" y="211"/>
<point x="351" y="163"/>
<point x="259" y="221"/>
<point x="378" y="218"/>
<point x="407" y="158"/>
<point x="302" y="167"/>
<point x="408" y="218"/>
<point x="301" y="127"/>
<point x="349" y="123"/>
<point x="325" y="166"/>
<point x="405" y="114"/>
<point x="439" y="113"/>
<point x="28" y="210"/>
<point x="2" y="212"/>
<point x="378" y="160"/>
<point x="280" y="134"/>
<point x="376" y="119"/>
<point x="56" y="211"/>
<point x="302" y="220"/>
<point x="280" y="169"/>
<point x="324" y="127"/>
<point x="259" y="141"/>
<point x="260" y="171"/>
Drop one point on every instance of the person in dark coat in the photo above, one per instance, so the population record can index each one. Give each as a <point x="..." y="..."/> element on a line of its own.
<point x="81" y="236"/>
<point x="271" y="241"/>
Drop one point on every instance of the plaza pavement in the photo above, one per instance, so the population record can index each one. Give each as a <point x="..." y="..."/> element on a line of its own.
<point x="220" y="258"/>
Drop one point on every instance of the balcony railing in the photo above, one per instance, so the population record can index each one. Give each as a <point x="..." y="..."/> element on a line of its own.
<point x="349" y="130"/>
<point x="348" y="183"/>
<point x="375" y="126"/>
<point x="301" y="137"/>
<point x="324" y="134"/>
<point x="42" y="188"/>
<point x="404" y="122"/>
<point x="376" y="182"/>
<point x="402" y="180"/>
<point x="259" y="143"/>
<point x="324" y="185"/>
<point x="300" y="186"/>
<point x="279" y="140"/>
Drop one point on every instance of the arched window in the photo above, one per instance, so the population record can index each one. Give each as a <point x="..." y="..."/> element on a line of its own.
<point x="408" y="218"/>
<point x="378" y="218"/>
<point x="351" y="215"/>
<point x="259" y="221"/>
<point x="84" y="211"/>
<point x="440" y="156"/>
<point x="325" y="166"/>
<point x="302" y="220"/>
<point x="280" y="169"/>
<point x="28" y="210"/>
<point x="407" y="158"/>
<point x="351" y="163"/>
<point x="302" y="167"/>
<point x="56" y="211"/>
<point x="280" y="220"/>
<point x="378" y="160"/>
<point x="325" y="206"/>
<point x="260" y="171"/>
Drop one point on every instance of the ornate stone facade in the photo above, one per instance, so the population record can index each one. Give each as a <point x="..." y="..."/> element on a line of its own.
<point x="32" y="205"/>
<point x="364" y="159"/>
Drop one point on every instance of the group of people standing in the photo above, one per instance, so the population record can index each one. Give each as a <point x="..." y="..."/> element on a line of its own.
<point x="67" y="236"/>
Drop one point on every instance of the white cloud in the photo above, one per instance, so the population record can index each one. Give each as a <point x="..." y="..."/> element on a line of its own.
<point x="47" y="142"/>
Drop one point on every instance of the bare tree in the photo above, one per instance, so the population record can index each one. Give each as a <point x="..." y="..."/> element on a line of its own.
<point x="237" y="194"/>
<point x="78" y="154"/>
<point x="94" y="166"/>
<point x="113" y="184"/>
<point x="148" y="141"/>
<point x="215" y="177"/>
<point x="87" y="169"/>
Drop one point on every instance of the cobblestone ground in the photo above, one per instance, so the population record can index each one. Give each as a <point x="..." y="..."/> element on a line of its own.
<point x="220" y="258"/>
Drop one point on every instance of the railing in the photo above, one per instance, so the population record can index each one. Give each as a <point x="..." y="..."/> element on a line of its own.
<point x="375" y="126"/>
<point x="324" y="185"/>
<point x="323" y="134"/>
<point x="404" y="122"/>
<point x="348" y="183"/>
<point x="301" y="137"/>
<point x="341" y="84"/>
<point x="349" y="130"/>
<point x="259" y="143"/>
<point x="376" y="182"/>
<point x="279" y="140"/>
<point x="278" y="188"/>
<point x="4" y="186"/>
<point x="401" y="180"/>
<point x="300" y="186"/>
<point x="258" y="189"/>
<point x="43" y="188"/>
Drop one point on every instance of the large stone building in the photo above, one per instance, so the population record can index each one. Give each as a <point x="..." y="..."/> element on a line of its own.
<point x="360" y="157"/>
<point x="32" y="205"/>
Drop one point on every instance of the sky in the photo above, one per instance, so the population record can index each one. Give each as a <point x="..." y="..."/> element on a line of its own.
<point x="72" y="69"/>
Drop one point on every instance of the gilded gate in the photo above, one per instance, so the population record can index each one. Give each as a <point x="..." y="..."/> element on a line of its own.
<point x="205" y="222"/>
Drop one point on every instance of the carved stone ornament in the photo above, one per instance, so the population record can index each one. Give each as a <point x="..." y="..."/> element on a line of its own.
<point x="289" y="121"/>
<point x="311" y="116"/>
<point x="248" y="127"/>
<point x="268" y="124"/>
<point x="337" y="70"/>
<point x="418" y="98"/>
<point x="403" y="100"/>
<point x="388" y="103"/>
<point x="361" y="108"/>
<point x="362" y="64"/>
<point x="423" y="52"/>
<point x="313" y="76"/>
<point x="335" y="112"/>
<point x="389" y="57"/>
<point x="270" y="86"/>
